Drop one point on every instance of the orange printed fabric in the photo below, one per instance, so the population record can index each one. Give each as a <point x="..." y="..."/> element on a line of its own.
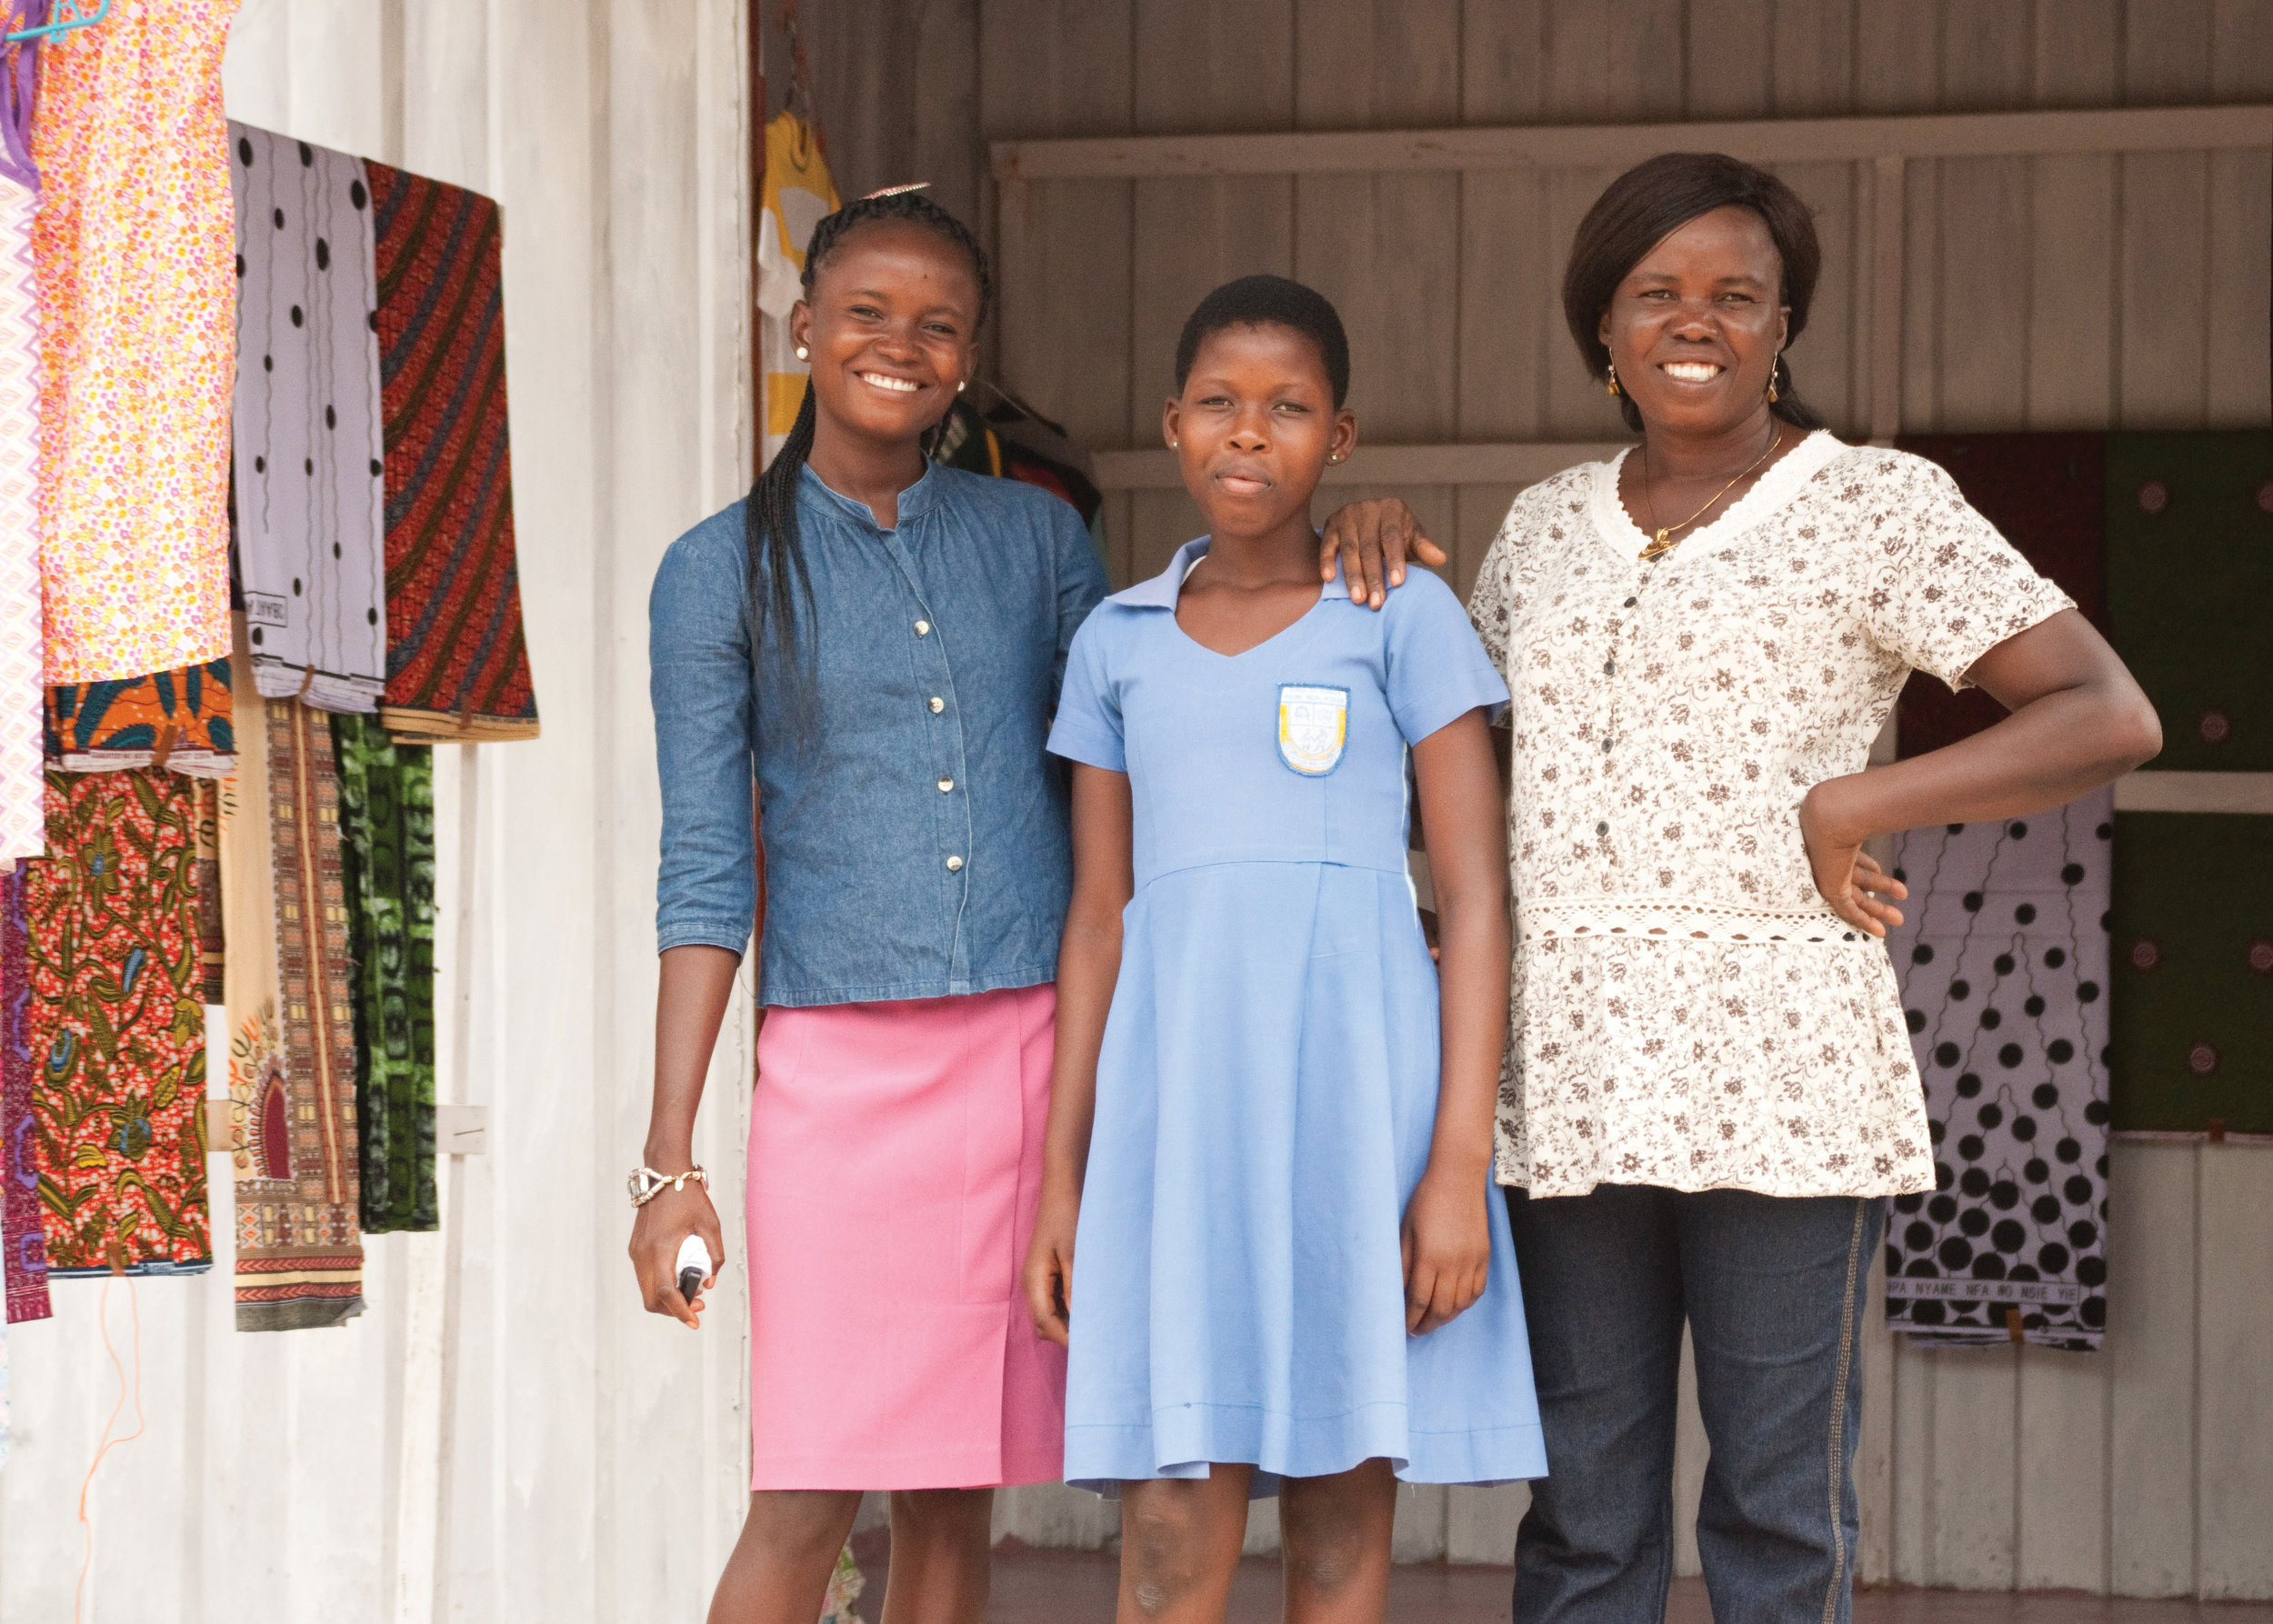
<point x="118" y="1026"/>
<point x="180" y="719"/>
<point x="135" y="248"/>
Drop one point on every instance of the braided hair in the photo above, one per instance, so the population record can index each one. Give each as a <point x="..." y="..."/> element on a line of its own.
<point x="777" y="575"/>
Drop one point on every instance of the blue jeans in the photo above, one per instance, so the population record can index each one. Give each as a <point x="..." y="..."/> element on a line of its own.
<point x="1772" y="1287"/>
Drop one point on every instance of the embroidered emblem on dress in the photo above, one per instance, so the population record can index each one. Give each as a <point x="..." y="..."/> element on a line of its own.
<point x="1313" y="727"/>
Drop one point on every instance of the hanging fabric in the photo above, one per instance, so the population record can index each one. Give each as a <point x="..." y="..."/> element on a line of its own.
<point x="310" y="480"/>
<point x="387" y="837"/>
<point x="118" y="1026"/>
<point x="137" y="345"/>
<point x="299" y="1252"/>
<point x="2003" y="954"/>
<point x="212" y="942"/>
<point x="183" y="720"/>
<point x="797" y="192"/>
<point x="23" y="1235"/>
<point x="23" y="791"/>
<point x="2003" y="962"/>
<point x="259" y="1140"/>
<point x="457" y="666"/>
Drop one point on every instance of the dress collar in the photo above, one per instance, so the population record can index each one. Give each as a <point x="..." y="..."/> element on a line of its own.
<point x="1161" y="591"/>
<point x="1769" y="495"/>
<point x="914" y="501"/>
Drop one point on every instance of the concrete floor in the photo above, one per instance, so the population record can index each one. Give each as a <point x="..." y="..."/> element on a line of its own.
<point x="1055" y="1587"/>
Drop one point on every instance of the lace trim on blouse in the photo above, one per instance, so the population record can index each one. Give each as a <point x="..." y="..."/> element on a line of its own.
<point x="1696" y="921"/>
<point x="1770" y="495"/>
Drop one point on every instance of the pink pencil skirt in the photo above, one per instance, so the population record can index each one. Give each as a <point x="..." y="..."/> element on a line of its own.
<point x="895" y="1167"/>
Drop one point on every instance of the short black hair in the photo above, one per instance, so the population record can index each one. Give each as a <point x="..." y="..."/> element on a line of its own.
<point x="1273" y="301"/>
<point x="1656" y="198"/>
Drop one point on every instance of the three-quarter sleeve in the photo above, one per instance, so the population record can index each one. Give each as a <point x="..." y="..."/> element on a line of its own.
<point x="698" y="653"/>
<point x="1941" y="587"/>
<point x="1081" y="581"/>
<point x="1088" y="726"/>
<point x="1438" y="668"/>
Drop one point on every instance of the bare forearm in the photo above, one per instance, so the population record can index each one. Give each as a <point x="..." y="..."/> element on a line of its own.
<point x="1473" y="1012"/>
<point x="1461" y="803"/>
<point x="1089" y="964"/>
<point x="690" y="1001"/>
<point x="2052" y="749"/>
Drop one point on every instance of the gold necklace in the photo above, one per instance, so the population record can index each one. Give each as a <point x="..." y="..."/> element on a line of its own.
<point x="1660" y="542"/>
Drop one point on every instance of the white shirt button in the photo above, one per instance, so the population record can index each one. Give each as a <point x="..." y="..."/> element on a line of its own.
<point x="945" y="786"/>
<point x="923" y="628"/>
<point x="937" y="705"/>
<point x="954" y="865"/>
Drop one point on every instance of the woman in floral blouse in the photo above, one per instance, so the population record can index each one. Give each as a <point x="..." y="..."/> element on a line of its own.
<point x="1708" y="1091"/>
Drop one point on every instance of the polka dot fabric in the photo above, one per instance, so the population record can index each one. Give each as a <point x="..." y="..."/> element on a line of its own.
<point x="2003" y="962"/>
<point x="138" y="341"/>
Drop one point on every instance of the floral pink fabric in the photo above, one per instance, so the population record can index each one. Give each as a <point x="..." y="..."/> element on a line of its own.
<point x="135" y="251"/>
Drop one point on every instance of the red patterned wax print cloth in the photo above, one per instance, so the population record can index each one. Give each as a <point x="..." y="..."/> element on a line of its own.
<point x="457" y="667"/>
<point x="23" y="1235"/>
<point x="118" y="1026"/>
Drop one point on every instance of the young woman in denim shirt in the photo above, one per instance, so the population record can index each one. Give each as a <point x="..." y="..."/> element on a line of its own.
<point x="878" y="642"/>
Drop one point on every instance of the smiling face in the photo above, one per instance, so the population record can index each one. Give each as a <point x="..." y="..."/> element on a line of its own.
<point x="891" y="324"/>
<point x="1694" y="328"/>
<point x="1254" y="427"/>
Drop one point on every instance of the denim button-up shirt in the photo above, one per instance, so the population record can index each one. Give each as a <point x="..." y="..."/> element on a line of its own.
<point x="916" y="832"/>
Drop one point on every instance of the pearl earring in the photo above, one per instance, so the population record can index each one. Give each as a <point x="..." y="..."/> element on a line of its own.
<point x="958" y="388"/>
<point x="803" y="352"/>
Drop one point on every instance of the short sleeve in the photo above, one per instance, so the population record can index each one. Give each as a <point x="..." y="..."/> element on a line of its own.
<point x="1081" y="574"/>
<point x="1489" y="609"/>
<point x="1088" y="724"/>
<point x="1438" y="669"/>
<point x="1941" y="587"/>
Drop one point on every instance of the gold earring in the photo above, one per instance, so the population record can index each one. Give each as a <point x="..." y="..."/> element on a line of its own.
<point x="803" y="352"/>
<point x="1772" y="366"/>
<point x="1610" y="384"/>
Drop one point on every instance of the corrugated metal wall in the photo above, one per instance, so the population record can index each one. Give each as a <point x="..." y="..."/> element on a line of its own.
<point x="505" y="1436"/>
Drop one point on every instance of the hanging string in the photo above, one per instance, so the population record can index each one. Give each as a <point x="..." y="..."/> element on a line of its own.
<point x="110" y="1443"/>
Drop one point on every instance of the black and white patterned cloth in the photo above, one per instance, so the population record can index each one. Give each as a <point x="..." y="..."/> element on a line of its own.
<point x="2003" y="960"/>
<point x="310" y="474"/>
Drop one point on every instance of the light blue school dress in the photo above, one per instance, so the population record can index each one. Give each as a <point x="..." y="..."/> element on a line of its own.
<point x="1267" y="1085"/>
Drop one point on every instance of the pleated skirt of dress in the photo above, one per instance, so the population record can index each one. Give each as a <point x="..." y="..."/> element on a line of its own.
<point x="895" y="1167"/>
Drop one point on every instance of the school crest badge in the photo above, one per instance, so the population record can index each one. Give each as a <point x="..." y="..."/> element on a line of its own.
<point x="1313" y="727"/>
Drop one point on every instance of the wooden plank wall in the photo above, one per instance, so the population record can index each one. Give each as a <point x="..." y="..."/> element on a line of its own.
<point x="2070" y="292"/>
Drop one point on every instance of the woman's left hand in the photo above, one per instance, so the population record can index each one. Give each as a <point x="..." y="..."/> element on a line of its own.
<point x="1446" y="1240"/>
<point x="1848" y="876"/>
<point x="1372" y="541"/>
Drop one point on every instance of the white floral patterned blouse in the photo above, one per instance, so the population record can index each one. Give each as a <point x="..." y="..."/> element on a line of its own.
<point x="1687" y="1010"/>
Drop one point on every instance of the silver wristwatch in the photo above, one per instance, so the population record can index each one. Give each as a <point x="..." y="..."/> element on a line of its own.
<point x="646" y="1182"/>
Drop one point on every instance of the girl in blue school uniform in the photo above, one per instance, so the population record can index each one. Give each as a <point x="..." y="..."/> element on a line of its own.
<point x="1268" y="1229"/>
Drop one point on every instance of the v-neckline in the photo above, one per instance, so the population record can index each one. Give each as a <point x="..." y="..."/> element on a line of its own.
<point x="1287" y="630"/>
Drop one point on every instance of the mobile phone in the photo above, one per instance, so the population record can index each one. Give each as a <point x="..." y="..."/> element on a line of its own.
<point x="694" y="1266"/>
